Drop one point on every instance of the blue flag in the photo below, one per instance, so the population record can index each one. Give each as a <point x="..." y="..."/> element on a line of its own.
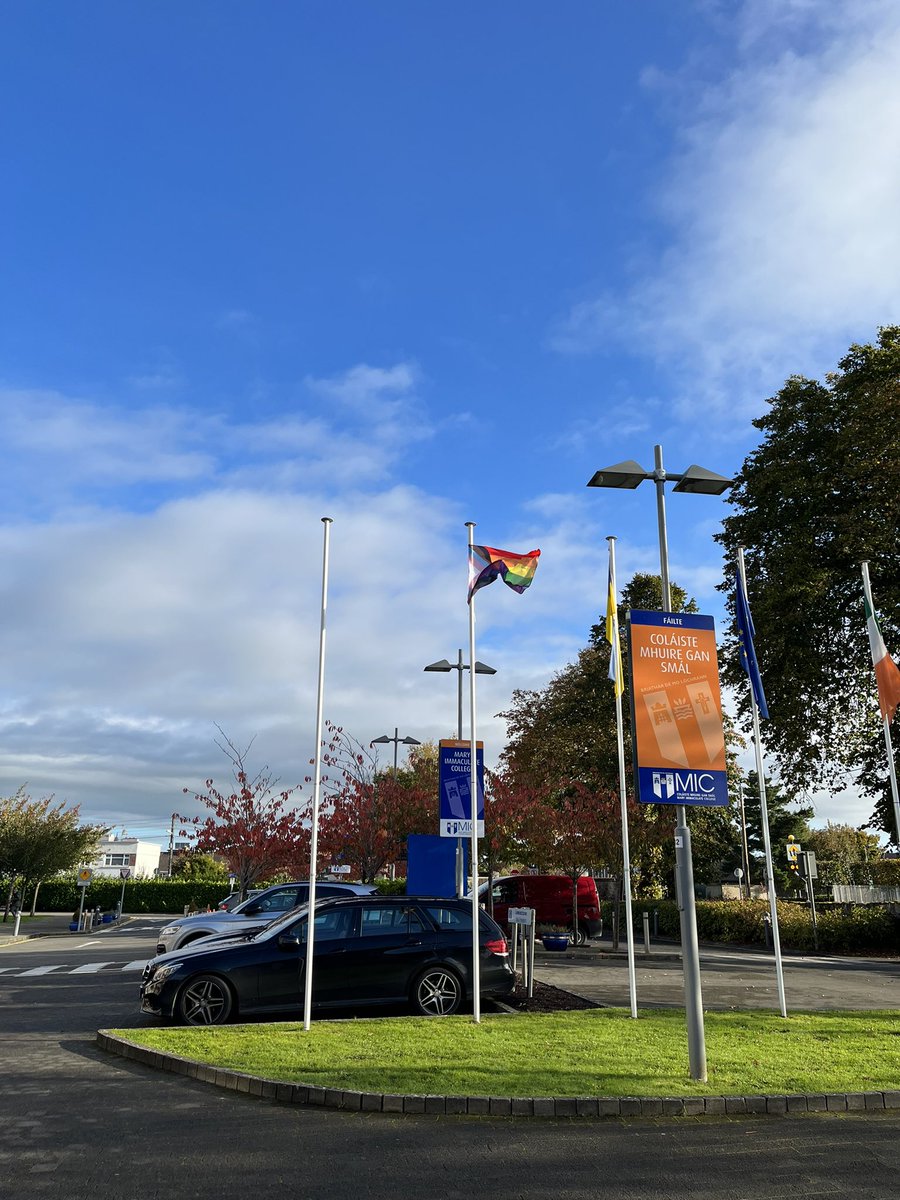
<point x="745" y="644"/>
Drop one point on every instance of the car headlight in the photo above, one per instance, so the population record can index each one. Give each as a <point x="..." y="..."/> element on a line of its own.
<point x="164" y="971"/>
<point x="169" y="930"/>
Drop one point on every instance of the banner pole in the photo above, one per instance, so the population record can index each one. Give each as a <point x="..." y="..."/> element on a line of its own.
<point x="886" y="725"/>
<point x="764" y="822"/>
<point x="620" y="739"/>
<point x="473" y="791"/>
<point x="317" y="789"/>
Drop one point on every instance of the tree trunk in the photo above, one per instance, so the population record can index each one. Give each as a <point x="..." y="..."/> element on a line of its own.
<point x="37" y="888"/>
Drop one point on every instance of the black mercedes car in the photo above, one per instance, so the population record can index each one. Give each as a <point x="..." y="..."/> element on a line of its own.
<point x="377" y="950"/>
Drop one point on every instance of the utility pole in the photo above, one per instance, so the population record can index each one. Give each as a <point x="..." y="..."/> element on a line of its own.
<point x="171" y="844"/>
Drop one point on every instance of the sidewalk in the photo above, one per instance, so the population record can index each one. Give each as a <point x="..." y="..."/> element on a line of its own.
<point x="45" y="925"/>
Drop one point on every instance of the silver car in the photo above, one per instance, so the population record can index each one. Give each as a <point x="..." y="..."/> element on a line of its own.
<point x="252" y="914"/>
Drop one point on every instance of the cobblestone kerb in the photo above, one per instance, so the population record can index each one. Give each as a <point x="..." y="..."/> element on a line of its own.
<point x="591" y="1107"/>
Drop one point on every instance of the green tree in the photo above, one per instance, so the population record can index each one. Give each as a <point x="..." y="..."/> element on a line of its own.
<point x="788" y="817"/>
<point x="844" y="854"/>
<point x="201" y="867"/>
<point x="818" y="496"/>
<point x="40" y="839"/>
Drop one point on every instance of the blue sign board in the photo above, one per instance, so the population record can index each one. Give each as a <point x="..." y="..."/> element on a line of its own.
<point x="455" y="794"/>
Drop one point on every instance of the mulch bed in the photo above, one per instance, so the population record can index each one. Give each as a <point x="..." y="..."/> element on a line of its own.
<point x="546" y="998"/>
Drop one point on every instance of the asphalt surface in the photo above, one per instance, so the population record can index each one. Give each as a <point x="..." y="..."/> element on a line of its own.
<point x="731" y="978"/>
<point x="75" y="1121"/>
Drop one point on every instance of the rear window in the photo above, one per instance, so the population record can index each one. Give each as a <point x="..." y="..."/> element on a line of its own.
<point x="450" y="918"/>
<point x="391" y="918"/>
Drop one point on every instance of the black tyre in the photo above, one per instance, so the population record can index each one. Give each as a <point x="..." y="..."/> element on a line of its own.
<point x="437" y="992"/>
<point x="206" y="1000"/>
<point x="580" y="938"/>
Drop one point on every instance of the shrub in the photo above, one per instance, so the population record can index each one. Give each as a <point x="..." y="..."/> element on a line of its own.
<point x="859" y="929"/>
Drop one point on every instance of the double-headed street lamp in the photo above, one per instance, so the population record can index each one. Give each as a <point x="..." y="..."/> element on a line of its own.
<point x="459" y="666"/>
<point x="696" y="479"/>
<point x="398" y="741"/>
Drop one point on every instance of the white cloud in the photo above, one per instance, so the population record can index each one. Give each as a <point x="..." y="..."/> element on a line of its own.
<point x="782" y="204"/>
<point x="126" y="637"/>
<point x="348" y="430"/>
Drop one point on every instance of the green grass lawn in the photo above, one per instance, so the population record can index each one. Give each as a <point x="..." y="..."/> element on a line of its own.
<point x="600" y="1052"/>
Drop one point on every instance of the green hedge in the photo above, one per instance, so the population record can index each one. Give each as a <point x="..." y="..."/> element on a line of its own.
<point x="141" y="895"/>
<point x="853" y="929"/>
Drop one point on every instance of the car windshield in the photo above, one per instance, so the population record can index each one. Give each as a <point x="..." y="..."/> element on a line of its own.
<point x="283" y="919"/>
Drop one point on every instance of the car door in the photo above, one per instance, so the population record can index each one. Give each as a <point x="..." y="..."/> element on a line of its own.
<point x="281" y="972"/>
<point x="393" y="943"/>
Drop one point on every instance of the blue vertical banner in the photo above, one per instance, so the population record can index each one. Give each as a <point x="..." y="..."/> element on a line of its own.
<point x="455" y="794"/>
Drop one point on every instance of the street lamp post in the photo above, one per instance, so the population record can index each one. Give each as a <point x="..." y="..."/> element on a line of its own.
<point x="459" y="666"/>
<point x="398" y="741"/>
<point x="696" y="479"/>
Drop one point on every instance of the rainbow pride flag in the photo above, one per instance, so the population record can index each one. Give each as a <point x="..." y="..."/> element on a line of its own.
<point x="487" y="564"/>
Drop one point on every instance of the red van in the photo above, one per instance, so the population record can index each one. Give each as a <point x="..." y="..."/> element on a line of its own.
<point x="551" y="898"/>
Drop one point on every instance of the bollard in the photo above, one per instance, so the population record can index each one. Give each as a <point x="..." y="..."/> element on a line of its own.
<point x="767" y="929"/>
<point x="646" y="919"/>
<point x="18" y="919"/>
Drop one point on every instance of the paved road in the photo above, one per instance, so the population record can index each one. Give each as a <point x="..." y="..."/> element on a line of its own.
<point x="730" y="978"/>
<point x="75" y="1122"/>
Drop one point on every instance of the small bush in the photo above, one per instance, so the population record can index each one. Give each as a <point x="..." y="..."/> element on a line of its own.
<point x="860" y="929"/>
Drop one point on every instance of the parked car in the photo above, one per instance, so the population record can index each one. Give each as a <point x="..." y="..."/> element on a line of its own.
<point x="259" y="910"/>
<point x="368" y="950"/>
<point x="233" y="899"/>
<point x="551" y="898"/>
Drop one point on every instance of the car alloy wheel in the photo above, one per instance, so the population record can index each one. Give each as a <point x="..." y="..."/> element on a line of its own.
<point x="206" y="1000"/>
<point x="438" y="993"/>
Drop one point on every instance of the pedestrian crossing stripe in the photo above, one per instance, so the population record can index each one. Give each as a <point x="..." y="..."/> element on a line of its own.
<point x="136" y="964"/>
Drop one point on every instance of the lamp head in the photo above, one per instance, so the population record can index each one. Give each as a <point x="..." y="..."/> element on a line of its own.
<point x="628" y="474"/>
<point x="705" y="483"/>
<point x="382" y="741"/>
<point x="443" y="665"/>
<point x="483" y="669"/>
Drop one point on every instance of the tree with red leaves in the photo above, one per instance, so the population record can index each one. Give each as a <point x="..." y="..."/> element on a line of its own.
<point x="251" y="826"/>
<point x="370" y="813"/>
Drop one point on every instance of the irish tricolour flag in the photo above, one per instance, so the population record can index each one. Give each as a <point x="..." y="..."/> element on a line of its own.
<point x="886" y="671"/>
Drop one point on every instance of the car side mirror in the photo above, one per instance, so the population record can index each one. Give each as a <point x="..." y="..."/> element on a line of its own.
<point x="252" y="910"/>
<point x="288" y="941"/>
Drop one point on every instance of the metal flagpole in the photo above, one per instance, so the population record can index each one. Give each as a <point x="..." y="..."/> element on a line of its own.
<point x="473" y="790"/>
<point x="764" y="821"/>
<point x="317" y="789"/>
<point x="626" y="852"/>
<point x="886" y="721"/>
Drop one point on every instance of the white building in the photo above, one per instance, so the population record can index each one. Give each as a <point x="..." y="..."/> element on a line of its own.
<point x="115" y="854"/>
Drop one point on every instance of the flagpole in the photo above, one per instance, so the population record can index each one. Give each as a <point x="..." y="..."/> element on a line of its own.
<point x="764" y="821"/>
<point x="317" y="789"/>
<point x="620" y="738"/>
<point x="473" y="792"/>
<point x="886" y="724"/>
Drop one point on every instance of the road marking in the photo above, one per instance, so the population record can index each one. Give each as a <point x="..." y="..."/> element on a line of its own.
<point x="42" y="970"/>
<point x="90" y="968"/>
<point x="3" y="970"/>
<point x="137" y="965"/>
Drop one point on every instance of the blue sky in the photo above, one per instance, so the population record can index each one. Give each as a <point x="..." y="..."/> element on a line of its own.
<point x="405" y="265"/>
